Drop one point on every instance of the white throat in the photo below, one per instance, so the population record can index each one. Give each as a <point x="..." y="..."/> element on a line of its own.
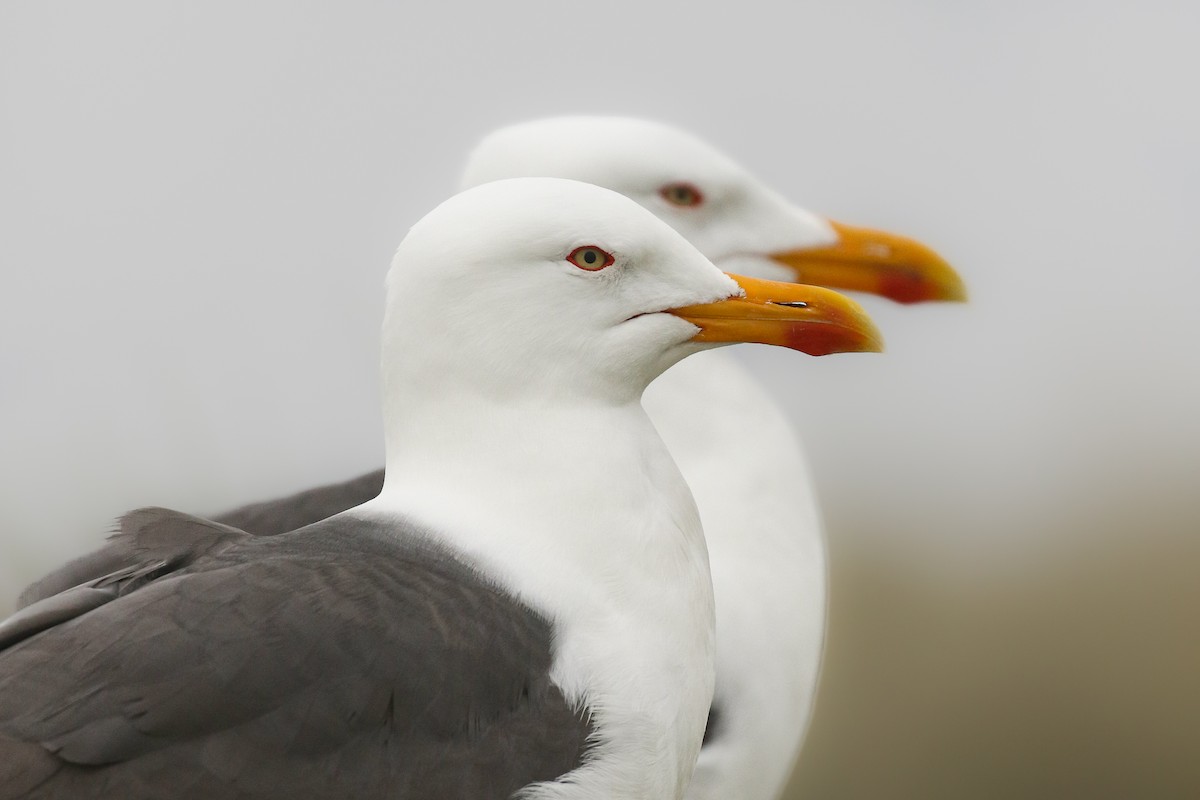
<point x="580" y="512"/>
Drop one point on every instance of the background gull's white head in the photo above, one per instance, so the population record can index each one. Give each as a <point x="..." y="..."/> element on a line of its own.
<point x="697" y="190"/>
<point x="736" y="220"/>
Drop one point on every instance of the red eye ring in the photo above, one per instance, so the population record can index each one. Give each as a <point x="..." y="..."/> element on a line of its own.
<point x="683" y="194"/>
<point x="591" y="258"/>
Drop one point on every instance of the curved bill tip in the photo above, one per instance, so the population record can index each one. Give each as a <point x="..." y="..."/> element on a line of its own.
<point x="868" y="260"/>
<point x="810" y="319"/>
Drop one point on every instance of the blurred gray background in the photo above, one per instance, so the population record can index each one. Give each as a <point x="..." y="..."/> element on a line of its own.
<point x="198" y="202"/>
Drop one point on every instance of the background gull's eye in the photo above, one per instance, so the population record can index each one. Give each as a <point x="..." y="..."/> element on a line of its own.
<point x="681" y="194"/>
<point x="590" y="257"/>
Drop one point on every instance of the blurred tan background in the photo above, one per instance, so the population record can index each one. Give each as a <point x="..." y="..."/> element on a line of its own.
<point x="1075" y="676"/>
<point x="198" y="202"/>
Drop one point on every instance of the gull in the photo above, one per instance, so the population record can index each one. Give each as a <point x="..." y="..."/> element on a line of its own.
<point x="525" y="606"/>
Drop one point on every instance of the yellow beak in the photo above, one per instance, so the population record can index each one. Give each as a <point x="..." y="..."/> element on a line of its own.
<point x="806" y="318"/>
<point x="866" y="260"/>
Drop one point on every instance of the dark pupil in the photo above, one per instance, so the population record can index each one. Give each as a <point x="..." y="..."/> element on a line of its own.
<point x="589" y="256"/>
<point x="681" y="194"/>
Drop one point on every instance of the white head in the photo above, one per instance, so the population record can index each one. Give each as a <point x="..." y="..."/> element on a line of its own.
<point x="734" y="219"/>
<point x="547" y="288"/>
<point x="490" y="273"/>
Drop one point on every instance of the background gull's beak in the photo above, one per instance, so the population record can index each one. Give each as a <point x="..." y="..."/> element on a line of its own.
<point x="867" y="260"/>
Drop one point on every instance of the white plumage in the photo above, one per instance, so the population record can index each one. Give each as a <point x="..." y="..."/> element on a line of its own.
<point x="731" y="440"/>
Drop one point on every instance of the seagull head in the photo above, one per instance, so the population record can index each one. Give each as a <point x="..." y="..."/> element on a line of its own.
<point x="737" y="221"/>
<point x="545" y="286"/>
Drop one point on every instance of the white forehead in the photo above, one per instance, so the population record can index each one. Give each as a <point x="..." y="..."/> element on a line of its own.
<point x="534" y="217"/>
<point x="618" y="152"/>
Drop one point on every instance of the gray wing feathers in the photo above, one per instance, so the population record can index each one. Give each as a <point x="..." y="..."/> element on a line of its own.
<point x="148" y="543"/>
<point x="51" y="611"/>
<point x="268" y="518"/>
<point x="73" y="573"/>
<point x="326" y="663"/>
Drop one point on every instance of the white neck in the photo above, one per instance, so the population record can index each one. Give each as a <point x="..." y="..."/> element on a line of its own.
<point x="580" y="512"/>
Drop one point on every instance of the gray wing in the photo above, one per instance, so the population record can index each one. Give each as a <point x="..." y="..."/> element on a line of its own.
<point x="331" y="662"/>
<point x="268" y="518"/>
<point x="149" y="543"/>
<point x="85" y="569"/>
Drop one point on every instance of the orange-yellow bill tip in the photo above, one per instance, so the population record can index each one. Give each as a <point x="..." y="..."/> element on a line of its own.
<point x="810" y="319"/>
<point x="867" y="260"/>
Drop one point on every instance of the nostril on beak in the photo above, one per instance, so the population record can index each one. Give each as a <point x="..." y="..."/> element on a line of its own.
<point x="792" y="304"/>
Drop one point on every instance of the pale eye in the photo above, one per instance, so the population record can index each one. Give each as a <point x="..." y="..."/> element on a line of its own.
<point x="681" y="194"/>
<point x="590" y="257"/>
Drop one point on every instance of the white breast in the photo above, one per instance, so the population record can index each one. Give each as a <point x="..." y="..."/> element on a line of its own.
<point x="624" y="581"/>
